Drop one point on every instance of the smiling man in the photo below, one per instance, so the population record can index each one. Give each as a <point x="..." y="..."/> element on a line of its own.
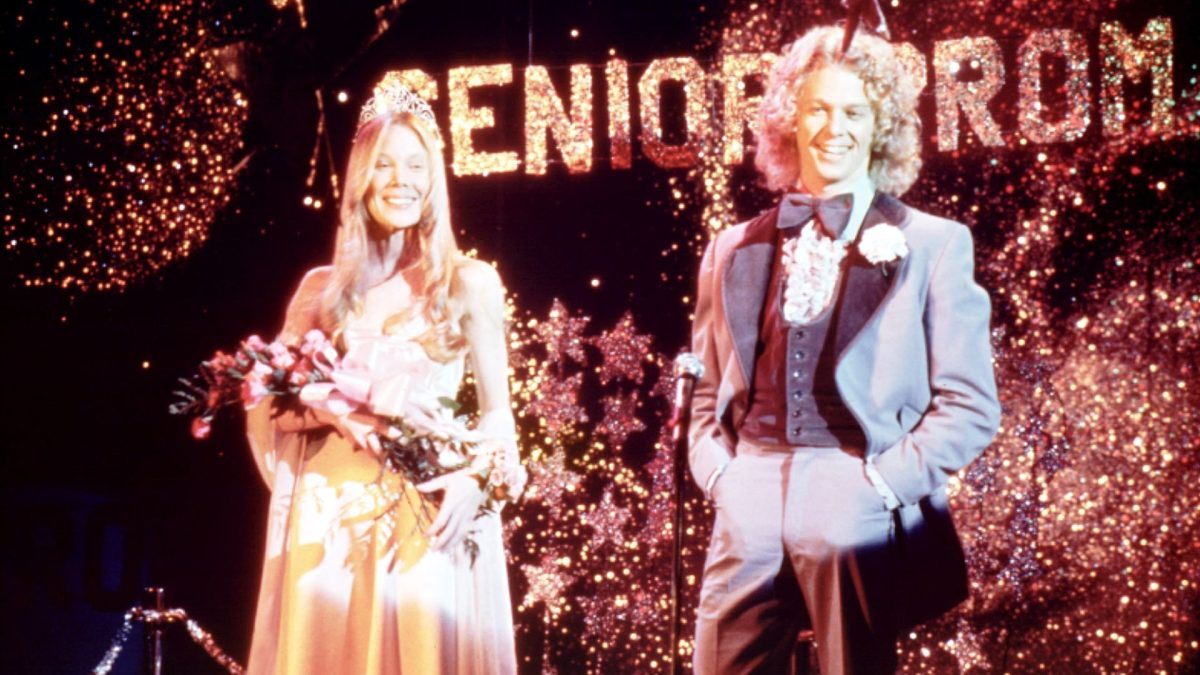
<point x="848" y="376"/>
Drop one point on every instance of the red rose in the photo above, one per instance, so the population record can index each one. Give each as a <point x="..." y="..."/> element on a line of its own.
<point x="201" y="428"/>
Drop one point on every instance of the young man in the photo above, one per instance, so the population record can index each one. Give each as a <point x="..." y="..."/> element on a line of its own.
<point x="848" y="376"/>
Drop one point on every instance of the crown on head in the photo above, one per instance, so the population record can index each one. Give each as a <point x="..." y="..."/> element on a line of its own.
<point x="393" y="96"/>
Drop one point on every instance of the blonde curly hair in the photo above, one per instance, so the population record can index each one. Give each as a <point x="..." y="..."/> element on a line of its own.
<point x="896" y="143"/>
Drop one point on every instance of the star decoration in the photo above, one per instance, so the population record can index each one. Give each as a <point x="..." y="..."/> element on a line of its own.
<point x="547" y="584"/>
<point x="550" y="481"/>
<point x="608" y="521"/>
<point x="620" y="418"/>
<point x="557" y="403"/>
<point x="562" y="334"/>
<point x="624" y="352"/>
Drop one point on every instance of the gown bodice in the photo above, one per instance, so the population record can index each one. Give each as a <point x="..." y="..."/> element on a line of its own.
<point x="398" y="353"/>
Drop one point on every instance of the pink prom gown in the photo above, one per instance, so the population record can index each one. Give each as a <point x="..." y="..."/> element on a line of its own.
<point x="349" y="585"/>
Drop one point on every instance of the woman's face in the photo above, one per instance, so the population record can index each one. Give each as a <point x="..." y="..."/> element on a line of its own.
<point x="400" y="180"/>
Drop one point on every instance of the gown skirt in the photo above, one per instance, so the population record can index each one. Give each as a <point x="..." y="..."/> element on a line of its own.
<point x="349" y="585"/>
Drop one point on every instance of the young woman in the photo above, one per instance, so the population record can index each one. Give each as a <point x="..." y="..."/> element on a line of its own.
<point x="365" y="571"/>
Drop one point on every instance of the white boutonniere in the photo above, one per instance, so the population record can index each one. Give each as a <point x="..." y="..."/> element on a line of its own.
<point x="812" y="263"/>
<point x="882" y="244"/>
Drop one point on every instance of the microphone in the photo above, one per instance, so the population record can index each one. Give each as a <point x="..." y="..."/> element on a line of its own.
<point x="688" y="369"/>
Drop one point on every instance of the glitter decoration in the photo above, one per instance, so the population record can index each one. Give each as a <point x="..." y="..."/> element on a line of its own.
<point x="282" y="4"/>
<point x="122" y="140"/>
<point x="686" y="71"/>
<point x="551" y="482"/>
<point x="562" y="334"/>
<point x="620" y="418"/>
<point x="420" y="82"/>
<point x="915" y="63"/>
<point x="391" y="95"/>
<point x="465" y="119"/>
<point x="1075" y="521"/>
<point x="545" y="113"/>
<point x="624" y="352"/>
<point x="608" y="521"/>
<point x="547" y="584"/>
<point x="591" y="537"/>
<point x="971" y="97"/>
<point x="1123" y="57"/>
<point x="106" y="663"/>
<point x="1070" y="46"/>
<point x="616" y="76"/>
<point x="749" y="32"/>
<point x="740" y="110"/>
<point x="199" y="635"/>
<point x="557" y="402"/>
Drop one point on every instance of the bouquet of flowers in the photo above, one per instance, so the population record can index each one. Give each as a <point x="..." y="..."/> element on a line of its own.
<point x="250" y="374"/>
<point x="421" y="447"/>
<point x="419" y="437"/>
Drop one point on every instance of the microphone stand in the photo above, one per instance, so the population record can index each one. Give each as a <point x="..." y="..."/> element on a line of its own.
<point x="688" y="369"/>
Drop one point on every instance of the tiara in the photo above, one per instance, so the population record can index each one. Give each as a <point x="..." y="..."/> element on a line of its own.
<point x="393" y="96"/>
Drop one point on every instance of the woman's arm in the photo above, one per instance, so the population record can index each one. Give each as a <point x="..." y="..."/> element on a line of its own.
<point x="482" y="298"/>
<point x="263" y="420"/>
<point x="483" y="327"/>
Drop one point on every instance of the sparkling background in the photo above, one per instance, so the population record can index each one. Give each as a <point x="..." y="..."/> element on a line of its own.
<point x="121" y="141"/>
<point x="1078" y="522"/>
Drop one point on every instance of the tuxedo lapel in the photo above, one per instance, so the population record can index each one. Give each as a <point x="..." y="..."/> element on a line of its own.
<point x="744" y="287"/>
<point x="865" y="285"/>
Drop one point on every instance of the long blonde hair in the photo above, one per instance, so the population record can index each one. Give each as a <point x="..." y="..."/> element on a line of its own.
<point x="896" y="144"/>
<point x="430" y="255"/>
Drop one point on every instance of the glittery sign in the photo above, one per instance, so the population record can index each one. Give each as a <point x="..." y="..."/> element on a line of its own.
<point x="1123" y="57"/>
<point x="1070" y="47"/>
<point x="951" y="61"/>
<point x="616" y="76"/>
<point x="686" y="71"/>
<point x="739" y="108"/>
<point x="420" y="82"/>
<point x="465" y="119"/>
<point x="968" y="76"/>
<point x="545" y="114"/>
<point x="915" y="63"/>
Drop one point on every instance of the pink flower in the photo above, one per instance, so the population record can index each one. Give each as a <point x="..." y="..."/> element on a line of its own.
<point x="281" y="357"/>
<point x="314" y="341"/>
<point x="254" y="343"/>
<point x="508" y="482"/>
<point x="256" y="385"/>
<point x="201" y="428"/>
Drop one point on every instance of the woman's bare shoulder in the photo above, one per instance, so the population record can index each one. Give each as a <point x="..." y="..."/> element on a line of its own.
<point x="304" y="309"/>
<point x="475" y="275"/>
<point x="477" y="287"/>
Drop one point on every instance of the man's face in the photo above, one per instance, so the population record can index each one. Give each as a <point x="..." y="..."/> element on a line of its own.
<point x="834" y="127"/>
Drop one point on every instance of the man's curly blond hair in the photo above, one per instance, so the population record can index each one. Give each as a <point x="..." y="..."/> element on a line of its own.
<point x="896" y="143"/>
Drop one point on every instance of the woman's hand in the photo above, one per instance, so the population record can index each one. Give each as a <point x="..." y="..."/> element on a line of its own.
<point x="460" y="505"/>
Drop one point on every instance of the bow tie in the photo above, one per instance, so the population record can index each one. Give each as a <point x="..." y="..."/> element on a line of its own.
<point x="833" y="212"/>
